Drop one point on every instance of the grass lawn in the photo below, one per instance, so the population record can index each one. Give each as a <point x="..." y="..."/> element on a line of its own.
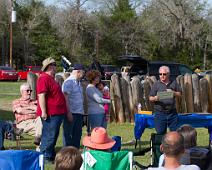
<point x="10" y="91"/>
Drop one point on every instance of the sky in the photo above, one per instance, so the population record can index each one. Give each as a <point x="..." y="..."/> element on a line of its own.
<point x="49" y="2"/>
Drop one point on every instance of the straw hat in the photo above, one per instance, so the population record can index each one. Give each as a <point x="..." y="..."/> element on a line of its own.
<point x="99" y="139"/>
<point x="46" y="62"/>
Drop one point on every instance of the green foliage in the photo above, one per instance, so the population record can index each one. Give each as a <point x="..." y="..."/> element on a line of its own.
<point x="161" y="30"/>
<point x="122" y="12"/>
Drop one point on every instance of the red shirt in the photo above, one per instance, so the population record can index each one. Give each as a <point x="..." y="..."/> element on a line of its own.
<point x="55" y="100"/>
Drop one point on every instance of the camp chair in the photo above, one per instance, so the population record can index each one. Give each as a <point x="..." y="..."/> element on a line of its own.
<point x="200" y="157"/>
<point x="21" y="160"/>
<point x="155" y="143"/>
<point x="96" y="160"/>
<point x="117" y="146"/>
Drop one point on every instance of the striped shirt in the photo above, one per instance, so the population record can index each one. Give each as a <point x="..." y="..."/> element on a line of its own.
<point x="24" y="109"/>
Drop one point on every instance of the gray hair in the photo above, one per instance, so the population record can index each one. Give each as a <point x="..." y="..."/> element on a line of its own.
<point x="24" y="86"/>
<point x="165" y="68"/>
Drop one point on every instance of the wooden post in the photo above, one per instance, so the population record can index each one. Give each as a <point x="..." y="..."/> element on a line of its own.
<point x="146" y="90"/>
<point x="59" y="79"/>
<point x="209" y="79"/>
<point x="137" y="94"/>
<point x="178" y="100"/>
<point x="188" y="93"/>
<point x="125" y="99"/>
<point x="117" y="98"/>
<point x="31" y="80"/>
<point x="204" y="89"/>
<point x="196" y="93"/>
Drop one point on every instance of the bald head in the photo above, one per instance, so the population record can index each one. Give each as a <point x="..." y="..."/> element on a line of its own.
<point x="172" y="144"/>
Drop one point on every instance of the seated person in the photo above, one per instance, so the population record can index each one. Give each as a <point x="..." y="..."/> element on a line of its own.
<point x="173" y="148"/>
<point x="6" y="127"/>
<point x="68" y="158"/>
<point x="25" y="114"/>
<point x="98" y="140"/>
<point x="190" y="144"/>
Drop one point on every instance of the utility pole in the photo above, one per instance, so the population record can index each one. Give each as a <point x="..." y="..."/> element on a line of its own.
<point x="12" y="20"/>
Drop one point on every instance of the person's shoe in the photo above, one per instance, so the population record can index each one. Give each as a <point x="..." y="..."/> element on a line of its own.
<point x="37" y="141"/>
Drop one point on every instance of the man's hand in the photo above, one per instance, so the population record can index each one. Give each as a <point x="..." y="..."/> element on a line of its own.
<point x="169" y="90"/>
<point x="69" y="117"/>
<point x="44" y="116"/>
<point x="156" y="98"/>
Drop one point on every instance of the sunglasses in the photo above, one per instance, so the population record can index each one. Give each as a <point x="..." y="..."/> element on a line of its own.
<point x="162" y="74"/>
<point x="53" y="64"/>
<point x="28" y="91"/>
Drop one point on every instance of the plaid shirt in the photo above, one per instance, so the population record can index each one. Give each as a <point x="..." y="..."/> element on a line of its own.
<point x="24" y="109"/>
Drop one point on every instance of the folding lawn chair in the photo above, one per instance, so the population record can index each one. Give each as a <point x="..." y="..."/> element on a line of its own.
<point x="21" y="160"/>
<point x="96" y="160"/>
<point x="155" y="143"/>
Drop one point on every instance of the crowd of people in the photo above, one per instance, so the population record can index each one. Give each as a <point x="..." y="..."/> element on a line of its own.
<point x="55" y="105"/>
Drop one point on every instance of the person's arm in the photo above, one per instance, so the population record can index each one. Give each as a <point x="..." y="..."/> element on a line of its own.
<point x="177" y="94"/>
<point x="42" y="102"/>
<point x="69" y="114"/>
<point x="24" y="108"/>
<point x="153" y="94"/>
<point x="95" y="96"/>
<point x="153" y="98"/>
<point x="177" y="91"/>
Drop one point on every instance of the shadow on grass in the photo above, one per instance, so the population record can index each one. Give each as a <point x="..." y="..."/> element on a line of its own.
<point x="6" y="115"/>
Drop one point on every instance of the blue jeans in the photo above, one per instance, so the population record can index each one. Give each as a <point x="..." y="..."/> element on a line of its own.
<point x="72" y="131"/>
<point x="97" y="120"/>
<point x="50" y="132"/>
<point x="4" y="127"/>
<point x="163" y="120"/>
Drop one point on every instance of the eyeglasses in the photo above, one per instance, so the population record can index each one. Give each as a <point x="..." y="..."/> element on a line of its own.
<point x="162" y="74"/>
<point x="29" y="91"/>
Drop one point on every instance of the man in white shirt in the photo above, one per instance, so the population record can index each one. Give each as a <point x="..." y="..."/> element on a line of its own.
<point x="173" y="147"/>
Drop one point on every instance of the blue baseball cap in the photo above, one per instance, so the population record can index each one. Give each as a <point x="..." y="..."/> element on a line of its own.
<point x="78" y="67"/>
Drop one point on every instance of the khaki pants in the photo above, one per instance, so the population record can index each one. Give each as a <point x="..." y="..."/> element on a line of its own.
<point x="32" y="126"/>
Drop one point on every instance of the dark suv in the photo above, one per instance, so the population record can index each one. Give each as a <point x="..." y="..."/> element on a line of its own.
<point x="140" y="66"/>
<point x="109" y="70"/>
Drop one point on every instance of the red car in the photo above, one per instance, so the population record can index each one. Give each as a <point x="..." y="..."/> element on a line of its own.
<point x="8" y="73"/>
<point x="22" y="75"/>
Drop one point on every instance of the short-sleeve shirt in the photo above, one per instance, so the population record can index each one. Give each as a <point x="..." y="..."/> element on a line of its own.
<point x="164" y="105"/>
<point x="20" y="103"/>
<point x="73" y="88"/>
<point x="55" y="100"/>
<point x="181" y="167"/>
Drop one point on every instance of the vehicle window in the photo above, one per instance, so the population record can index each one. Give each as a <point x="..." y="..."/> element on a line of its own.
<point x="138" y="69"/>
<point x="184" y="69"/>
<point x="110" y="68"/>
<point x="6" y="68"/>
<point x="209" y="72"/>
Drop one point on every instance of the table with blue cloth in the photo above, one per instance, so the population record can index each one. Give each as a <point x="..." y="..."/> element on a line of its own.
<point x="143" y="121"/>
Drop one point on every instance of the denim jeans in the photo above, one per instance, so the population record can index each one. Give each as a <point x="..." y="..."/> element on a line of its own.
<point x="4" y="127"/>
<point x="50" y="132"/>
<point x="163" y="120"/>
<point x="72" y="131"/>
<point x="97" y="120"/>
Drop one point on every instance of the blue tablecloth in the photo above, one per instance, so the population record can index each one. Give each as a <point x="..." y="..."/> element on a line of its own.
<point x="143" y="121"/>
